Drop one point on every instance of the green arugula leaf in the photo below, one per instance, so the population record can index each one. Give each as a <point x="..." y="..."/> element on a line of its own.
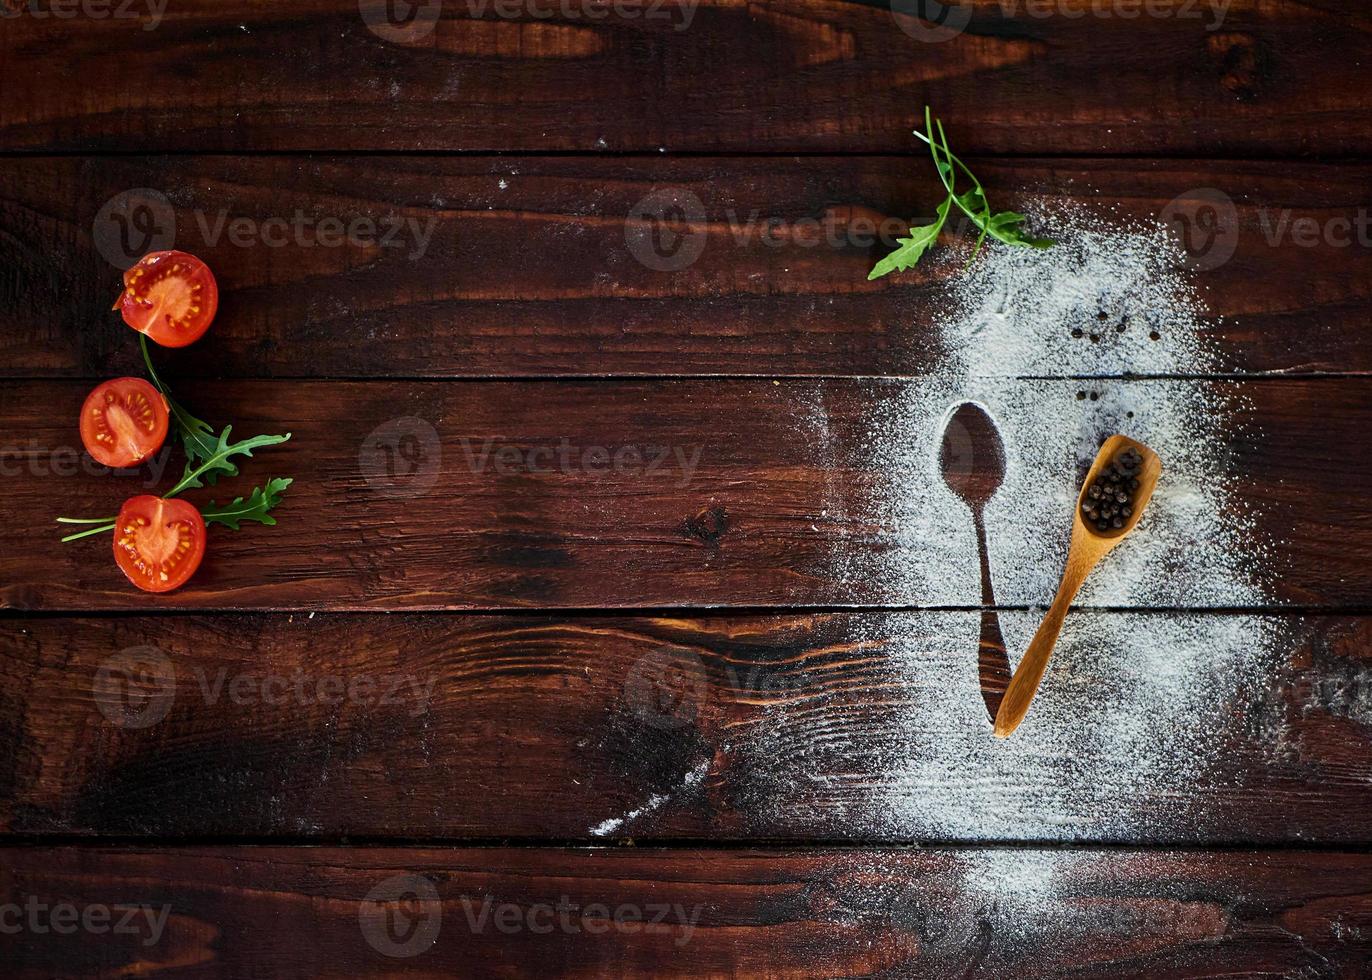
<point x="1004" y="226"/>
<point x="196" y="435"/>
<point x="922" y="238"/>
<point x="219" y="462"/>
<point x="208" y="457"/>
<point x="254" y="508"/>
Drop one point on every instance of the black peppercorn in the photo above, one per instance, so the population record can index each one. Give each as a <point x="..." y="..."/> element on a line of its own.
<point x="1108" y="501"/>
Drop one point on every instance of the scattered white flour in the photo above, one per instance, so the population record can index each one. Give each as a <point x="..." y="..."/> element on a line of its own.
<point x="692" y="781"/>
<point x="981" y="910"/>
<point x="1137" y="710"/>
<point x="1010" y="321"/>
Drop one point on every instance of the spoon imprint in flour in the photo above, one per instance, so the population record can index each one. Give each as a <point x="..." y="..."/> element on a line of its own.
<point x="1088" y="547"/>
<point x="972" y="461"/>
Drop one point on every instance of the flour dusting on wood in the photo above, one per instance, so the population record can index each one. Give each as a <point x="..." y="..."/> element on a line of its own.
<point x="1137" y="709"/>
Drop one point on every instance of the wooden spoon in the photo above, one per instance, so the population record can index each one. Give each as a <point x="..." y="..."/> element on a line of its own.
<point x="1088" y="547"/>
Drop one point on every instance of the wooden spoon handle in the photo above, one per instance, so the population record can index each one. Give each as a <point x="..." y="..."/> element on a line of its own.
<point x="1025" y="684"/>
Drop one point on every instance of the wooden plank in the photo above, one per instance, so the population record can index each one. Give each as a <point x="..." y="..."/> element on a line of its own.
<point x="694" y="493"/>
<point x="1150" y="727"/>
<point x="1236" y="78"/>
<point x="527" y="266"/>
<point x="326" y="912"/>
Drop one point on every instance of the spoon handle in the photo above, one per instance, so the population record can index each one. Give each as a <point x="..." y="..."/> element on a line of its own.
<point x="1025" y="684"/>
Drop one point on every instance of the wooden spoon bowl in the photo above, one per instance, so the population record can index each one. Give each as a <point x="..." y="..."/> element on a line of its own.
<point x="1088" y="547"/>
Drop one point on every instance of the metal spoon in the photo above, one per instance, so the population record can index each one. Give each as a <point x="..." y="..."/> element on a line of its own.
<point x="972" y="461"/>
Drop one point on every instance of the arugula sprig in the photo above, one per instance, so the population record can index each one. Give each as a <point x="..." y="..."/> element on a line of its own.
<point x="208" y="457"/>
<point x="219" y="462"/>
<point x="1004" y="226"/>
<point x="912" y="249"/>
<point x="256" y="507"/>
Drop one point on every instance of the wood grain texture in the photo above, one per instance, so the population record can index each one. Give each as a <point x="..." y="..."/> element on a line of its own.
<point x="451" y="495"/>
<point x="754" y="728"/>
<point x="529" y="266"/>
<point x="235" y="911"/>
<point x="816" y="75"/>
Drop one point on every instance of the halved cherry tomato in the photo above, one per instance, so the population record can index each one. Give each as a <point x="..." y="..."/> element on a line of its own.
<point x="158" y="543"/>
<point x="123" y="422"/>
<point x="170" y="296"/>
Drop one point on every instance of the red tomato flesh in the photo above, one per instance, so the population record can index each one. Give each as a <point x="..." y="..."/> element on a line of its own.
<point x="123" y="422"/>
<point x="170" y="296"/>
<point x="158" y="543"/>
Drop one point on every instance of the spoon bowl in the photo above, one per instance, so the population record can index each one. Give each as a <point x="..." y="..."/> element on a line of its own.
<point x="1149" y="471"/>
<point x="1089" y="545"/>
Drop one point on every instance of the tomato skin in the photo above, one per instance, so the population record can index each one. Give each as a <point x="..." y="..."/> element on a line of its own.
<point x="170" y="296"/>
<point x="158" y="543"/>
<point x="123" y="422"/>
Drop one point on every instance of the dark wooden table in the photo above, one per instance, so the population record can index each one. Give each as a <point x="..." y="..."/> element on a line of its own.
<point x="581" y="724"/>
